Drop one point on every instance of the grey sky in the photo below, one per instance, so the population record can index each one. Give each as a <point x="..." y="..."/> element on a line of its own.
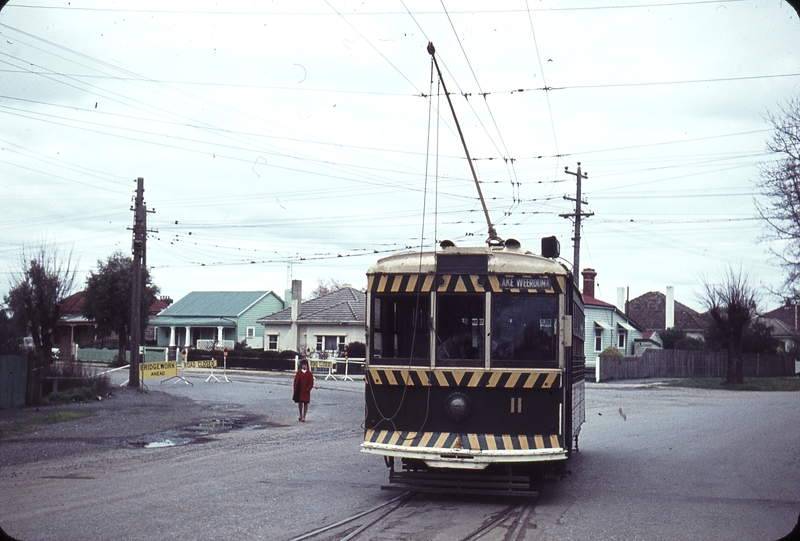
<point x="294" y="136"/>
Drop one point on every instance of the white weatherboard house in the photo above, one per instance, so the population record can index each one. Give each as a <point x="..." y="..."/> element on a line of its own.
<point x="606" y="325"/>
<point x="325" y="324"/>
<point x="218" y="318"/>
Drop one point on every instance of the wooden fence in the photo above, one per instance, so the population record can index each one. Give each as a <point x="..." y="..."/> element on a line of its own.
<point x="667" y="363"/>
<point x="13" y="380"/>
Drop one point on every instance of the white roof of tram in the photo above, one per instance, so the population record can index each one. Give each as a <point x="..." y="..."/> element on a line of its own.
<point x="500" y="260"/>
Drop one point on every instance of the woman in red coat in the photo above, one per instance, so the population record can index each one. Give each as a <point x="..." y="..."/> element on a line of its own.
<point x="303" y="383"/>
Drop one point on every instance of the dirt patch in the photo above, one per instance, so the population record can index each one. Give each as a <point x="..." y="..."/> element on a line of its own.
<point x="127" y="415"/>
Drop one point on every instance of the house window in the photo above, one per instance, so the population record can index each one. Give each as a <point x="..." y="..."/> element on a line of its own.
<point x="331" y="343"/>
<point x="251" y="333"/>
<point x="598" y="338"/>
<point x="622" y="339"/>
<point x="272" y="341"/>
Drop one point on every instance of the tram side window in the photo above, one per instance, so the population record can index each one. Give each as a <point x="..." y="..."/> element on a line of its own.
<point x="460" y="322"/>
<point x="525" y="331"/>
<point x="400" y="330"/>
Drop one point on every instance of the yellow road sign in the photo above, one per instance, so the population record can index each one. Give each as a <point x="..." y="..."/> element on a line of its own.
<point x="158" y="370"/>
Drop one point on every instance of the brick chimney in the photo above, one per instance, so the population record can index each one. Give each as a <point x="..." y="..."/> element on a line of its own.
<point x="588" y="282"/>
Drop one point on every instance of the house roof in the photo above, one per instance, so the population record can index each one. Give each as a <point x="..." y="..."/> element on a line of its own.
<point x="789" y="314"/>
<point x="591" y="301"/>
<point x="649" y="311"/>
<point x="214" y="304"/>
<point x="597" y="303"/>
<point x="343" y="305"/>
<point x="780" y="329"/>
<point x="72" y="306"/>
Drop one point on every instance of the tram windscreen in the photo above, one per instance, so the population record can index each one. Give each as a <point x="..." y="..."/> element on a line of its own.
<point x="460" y="322"/>
<point x="401" y="330"/>
<point x="524" y="331"/>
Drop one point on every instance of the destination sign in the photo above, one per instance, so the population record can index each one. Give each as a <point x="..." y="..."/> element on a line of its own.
<point x="159" y="370"/>
<point x="524" y="282"/>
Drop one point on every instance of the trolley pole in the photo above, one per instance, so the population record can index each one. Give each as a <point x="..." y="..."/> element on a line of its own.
<point x="139" y="235"/>
<point x="576" y="240"/>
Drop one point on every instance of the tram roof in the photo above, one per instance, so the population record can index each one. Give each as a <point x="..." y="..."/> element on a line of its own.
<point x="499" y="260"/>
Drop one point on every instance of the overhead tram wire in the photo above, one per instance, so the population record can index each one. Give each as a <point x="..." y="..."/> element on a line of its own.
<point x="203" y="126"/>
<point x="546" y="89"/>
<point x="507" y="155"/>
<point x="370" y="13"/>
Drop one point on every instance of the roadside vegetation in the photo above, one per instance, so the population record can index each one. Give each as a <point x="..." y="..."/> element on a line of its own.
<point x="10" y="427"/>
<point x="749" y="384"/>
<point x="76" y="383"/>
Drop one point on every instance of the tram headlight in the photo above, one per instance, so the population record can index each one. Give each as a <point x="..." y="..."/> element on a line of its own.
<point x="457" y="406"/>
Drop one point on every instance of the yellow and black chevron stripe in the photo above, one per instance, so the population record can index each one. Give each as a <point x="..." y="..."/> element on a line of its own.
<point x="464" y="283"/>
<point x="455" y="440"/>
<point x="499" y="379"/>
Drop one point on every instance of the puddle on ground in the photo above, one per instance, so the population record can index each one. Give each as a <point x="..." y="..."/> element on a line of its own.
<point x="202" y="432"/>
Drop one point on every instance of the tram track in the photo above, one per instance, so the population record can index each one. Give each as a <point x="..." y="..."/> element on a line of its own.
<point x="510" y="522"/>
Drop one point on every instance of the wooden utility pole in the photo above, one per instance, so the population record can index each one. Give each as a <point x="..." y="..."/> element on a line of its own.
<point x="139" y="239"/>
<point x="576" y="240"/>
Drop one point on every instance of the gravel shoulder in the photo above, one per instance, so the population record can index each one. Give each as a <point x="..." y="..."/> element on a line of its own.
<point x="127" y="414"/>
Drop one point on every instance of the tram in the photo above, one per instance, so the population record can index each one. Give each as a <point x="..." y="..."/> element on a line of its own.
<point x="474" y="362"/>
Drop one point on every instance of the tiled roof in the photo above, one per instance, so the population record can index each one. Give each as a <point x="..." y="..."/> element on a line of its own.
<point x="649" y="311"/>
<point x="778" y="327"/>
<point x="73" y="305"/>
<point x="591" y="301"/>
<point x="214" y="303"/>
<point x="788" y="314"/>
<point x="343" y="305"/>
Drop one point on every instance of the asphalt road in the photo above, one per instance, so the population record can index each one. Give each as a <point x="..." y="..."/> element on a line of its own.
<point x="673" y="464"/>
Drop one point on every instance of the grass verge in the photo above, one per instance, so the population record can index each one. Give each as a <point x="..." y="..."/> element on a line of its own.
<point x="41" y="420"/>
<point x="749" y="384"/>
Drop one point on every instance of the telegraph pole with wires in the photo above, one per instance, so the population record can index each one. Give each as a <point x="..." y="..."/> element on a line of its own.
<point x="576" y="240"/>
<point x="139" y="250"/>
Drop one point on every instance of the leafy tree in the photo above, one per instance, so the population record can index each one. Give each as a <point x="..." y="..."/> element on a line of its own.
<point x="108" y="295"/>
<point x="731" y="305"/>
<point x="779" y="181"/>
<point x="356" y="350"/>
<point x="35" y="297"/>
<point x="670" y="337"/>
<point x="325" y="287"/>
<point x="758" y="339"/>
<point x="673" y="338"/>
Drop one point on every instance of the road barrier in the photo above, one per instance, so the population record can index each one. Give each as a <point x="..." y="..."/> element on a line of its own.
<point x="329" y="367"/>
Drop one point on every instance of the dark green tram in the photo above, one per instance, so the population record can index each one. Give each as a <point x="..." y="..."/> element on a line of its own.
<point x="474" y="359"/>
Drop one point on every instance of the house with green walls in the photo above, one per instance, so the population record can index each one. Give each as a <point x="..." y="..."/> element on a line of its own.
<point x="215" y="319"/>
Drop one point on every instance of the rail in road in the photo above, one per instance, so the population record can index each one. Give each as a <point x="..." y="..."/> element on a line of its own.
<point x="510" y="520"/>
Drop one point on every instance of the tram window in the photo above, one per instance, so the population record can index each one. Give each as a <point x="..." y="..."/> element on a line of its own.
<point x="460" y="330"/>
<point x="401" y="330"/>
<point x="524" y="331"/>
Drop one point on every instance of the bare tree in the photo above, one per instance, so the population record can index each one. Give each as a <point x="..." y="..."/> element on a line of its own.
<point x="779" y="181"/>
<point x="325" y="287"/>
<point x="35" y="296"/>
<point x="731" y="305"/>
